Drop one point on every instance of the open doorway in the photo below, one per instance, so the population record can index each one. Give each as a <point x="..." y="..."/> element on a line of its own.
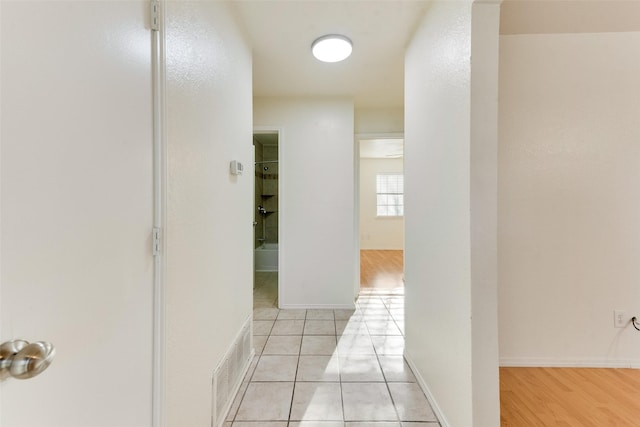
<point x="265" y="223"/>
<point x="381" y="205"/>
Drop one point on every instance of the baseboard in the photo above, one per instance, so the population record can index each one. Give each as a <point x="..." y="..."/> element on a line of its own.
<point x="382" y="292"/>
<point x="351" y="306"/>
<point x="524" y="362"/>
<point x="425" y="388"/>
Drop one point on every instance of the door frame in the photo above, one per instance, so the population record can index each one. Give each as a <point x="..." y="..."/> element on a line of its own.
<point x="356" y="159"/>
<point x="281" y="194"/>
<point x="160" y="168"/>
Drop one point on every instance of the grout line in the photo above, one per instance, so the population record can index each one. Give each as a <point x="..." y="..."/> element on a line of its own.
<point x="386" y="383"/>
<point x="337" y="353"/>
<point x="340" y="382"/>
<point x="241" y="399"/>
<point x="295" y="377"/>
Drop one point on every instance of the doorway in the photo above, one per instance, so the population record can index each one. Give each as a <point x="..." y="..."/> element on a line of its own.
<point x="381" y="206"/>
<point x="266" y="221"/>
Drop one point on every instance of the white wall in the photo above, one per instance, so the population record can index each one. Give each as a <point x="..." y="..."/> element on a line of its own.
<point x="378" y="120"/>
<point x="76" y="264"/>
<point x="378" y="232"/>
<point x="317" y="231"/>
<point x="450" y="295"/>
<point x="210" y="212"/>
<point x="485" y="38"/>
<point x="569" y="198"/>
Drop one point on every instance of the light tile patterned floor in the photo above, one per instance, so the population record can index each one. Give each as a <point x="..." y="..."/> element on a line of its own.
<point x="330" y="368"/>
<point x="265" y="290"/>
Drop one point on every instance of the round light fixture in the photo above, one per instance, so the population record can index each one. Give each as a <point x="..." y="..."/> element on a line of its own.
<point x="332" y="48"/>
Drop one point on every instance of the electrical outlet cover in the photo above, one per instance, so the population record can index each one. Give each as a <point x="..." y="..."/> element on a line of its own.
<point x="619" y="319"/>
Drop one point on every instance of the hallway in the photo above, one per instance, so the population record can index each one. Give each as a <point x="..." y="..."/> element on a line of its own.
<point x="332" y="368"/>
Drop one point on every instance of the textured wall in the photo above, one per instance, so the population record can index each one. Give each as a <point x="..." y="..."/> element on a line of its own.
<point x="437" y="219"/>
<point x="318" y="236"/>
<point x="450" y="214"/>
<point x="210" y="212"/>
<point x="569" y="198"/>
<point x="379" y="120"/>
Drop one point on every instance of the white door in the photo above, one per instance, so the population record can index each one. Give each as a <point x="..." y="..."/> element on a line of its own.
<point x="76" y="210"/>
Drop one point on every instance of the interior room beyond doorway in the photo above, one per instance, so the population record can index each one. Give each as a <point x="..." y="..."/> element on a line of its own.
<point x="381" y="194"/>
<point x="382" y="269"/>
<point x="266" y="223"/>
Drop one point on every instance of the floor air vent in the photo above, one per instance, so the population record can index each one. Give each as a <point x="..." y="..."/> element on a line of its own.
<point x="228" y="376"/>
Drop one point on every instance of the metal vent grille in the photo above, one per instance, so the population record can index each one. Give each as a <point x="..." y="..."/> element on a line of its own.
<point x="228" y="376"/>
<point x="221" y="386"/>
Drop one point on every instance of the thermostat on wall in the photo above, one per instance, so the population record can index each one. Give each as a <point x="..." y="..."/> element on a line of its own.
<point x="236" y="167"/>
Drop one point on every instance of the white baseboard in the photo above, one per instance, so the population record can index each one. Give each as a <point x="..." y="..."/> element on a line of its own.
<point x="524" y="362"/>
<point x="425" y="388"/>
<point x="318" y="306"/>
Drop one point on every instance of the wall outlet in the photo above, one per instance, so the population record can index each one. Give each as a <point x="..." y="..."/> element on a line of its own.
<point x="619" y="319"/>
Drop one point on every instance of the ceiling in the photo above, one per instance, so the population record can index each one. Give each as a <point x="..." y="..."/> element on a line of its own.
<point x="268" y="139"/>
<point x="281" y="34"/>
<point x="392" y="148"/>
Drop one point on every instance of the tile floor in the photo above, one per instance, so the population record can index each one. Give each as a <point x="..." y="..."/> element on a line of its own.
<point x="331" y="368"/>
<point x="265" y="290"/>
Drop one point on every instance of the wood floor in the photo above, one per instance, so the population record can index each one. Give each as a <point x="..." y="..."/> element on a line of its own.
<point x="569" y="397"/>
<point x="381" y="269"/>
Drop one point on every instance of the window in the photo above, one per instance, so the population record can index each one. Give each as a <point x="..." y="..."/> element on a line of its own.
<point x="390" y="194"/>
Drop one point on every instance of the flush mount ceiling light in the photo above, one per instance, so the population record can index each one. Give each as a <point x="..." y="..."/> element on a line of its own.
<point x="332" y="48"/>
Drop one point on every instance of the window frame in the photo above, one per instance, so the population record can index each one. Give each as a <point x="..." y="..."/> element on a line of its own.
<point x="397" y="205"/>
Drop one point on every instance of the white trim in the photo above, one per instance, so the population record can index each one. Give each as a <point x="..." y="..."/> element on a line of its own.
<point x="425" y="388"/>
<point x="1" y="336"/>
<point x="159" y="221"/>
<point x="517" y="362"/>
<point x="281" y="197"/>
<point x="356" y="217"/>
<point x="318" y="306"/>
<point x="357" y="202"/>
